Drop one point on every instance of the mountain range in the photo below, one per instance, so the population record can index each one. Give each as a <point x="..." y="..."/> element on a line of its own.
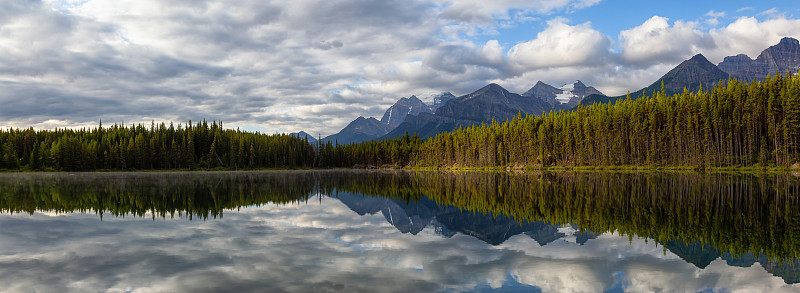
<point x="783" y="57"/>
<point x="447" y="112"/>
<point x="697" y="72"/>
<point x="494" y="103"/>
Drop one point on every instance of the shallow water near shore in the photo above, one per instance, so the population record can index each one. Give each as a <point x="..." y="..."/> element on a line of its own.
<point x="393" y="231"/>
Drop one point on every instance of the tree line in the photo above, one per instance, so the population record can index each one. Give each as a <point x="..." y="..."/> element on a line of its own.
<point x="192" y="146"/>
<point x="734" y="124"/>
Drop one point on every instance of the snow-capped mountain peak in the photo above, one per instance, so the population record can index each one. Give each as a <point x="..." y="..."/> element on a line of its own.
<point x="566" y="96"/>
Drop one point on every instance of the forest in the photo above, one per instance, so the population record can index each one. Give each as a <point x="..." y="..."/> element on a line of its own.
<point x="160" y="147"/>
<point x="731" y="125"/>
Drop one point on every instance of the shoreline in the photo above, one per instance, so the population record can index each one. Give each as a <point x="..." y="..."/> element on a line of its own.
<point x="625" y="168"/>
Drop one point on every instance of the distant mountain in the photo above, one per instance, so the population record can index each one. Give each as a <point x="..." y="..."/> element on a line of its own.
<point x="397" y="113"/>
<point x="303" y="134"/>
<point x="427" y="125"/>
<point x="365" y="129"/>
<point x="361" y="129"/>
<point x="783" y="57"/>
<point x="738" y="66"/>
<point x="441" y="99"/>
<point x="491" y="102"/>
<point x="566" y="97"/>
<point x="690" y="74"/>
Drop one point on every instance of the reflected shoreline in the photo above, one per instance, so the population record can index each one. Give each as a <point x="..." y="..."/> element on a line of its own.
<point x="741" y="218"/>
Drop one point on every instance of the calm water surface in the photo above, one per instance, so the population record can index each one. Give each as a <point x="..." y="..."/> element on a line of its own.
<point x="382" y="231"/>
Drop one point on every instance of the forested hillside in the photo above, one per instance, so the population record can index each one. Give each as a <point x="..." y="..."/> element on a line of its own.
<point x="733" y="125"/>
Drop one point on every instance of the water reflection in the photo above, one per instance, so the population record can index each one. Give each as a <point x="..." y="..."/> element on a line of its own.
<point x="424" y="231"/>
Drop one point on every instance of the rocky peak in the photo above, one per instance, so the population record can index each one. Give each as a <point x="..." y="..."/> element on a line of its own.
<point x="304" y="135"/>
<point x="492" y="102"/>
<point x="737" y="66"/>
<point x="698" y="60"/>
<point x="691" y="74"/>
<point x="789" y="41"/>
<point x="492" y="88"/>
<point x="369" y="126"/>
<point x="567" y="96"/>
<point x="397" y="113"/>
<point x="441" y="99"/>
<point x="783" y="57"/>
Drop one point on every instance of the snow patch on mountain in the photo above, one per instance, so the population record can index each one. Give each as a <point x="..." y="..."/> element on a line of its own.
<point x="566" y="93"/>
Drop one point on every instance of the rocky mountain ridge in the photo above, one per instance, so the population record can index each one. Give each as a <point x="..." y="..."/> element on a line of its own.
<point x="445" y="112"/>
<point x="698" y="72"/>
<point x="565" y="97"/>
<point x="397" y="113"/>
<point x="782" y="58"/>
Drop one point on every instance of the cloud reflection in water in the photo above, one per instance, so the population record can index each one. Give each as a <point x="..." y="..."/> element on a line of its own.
<point x="323" y="246"/>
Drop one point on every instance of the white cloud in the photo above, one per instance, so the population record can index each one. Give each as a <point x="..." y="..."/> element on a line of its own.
<point x="773" y="13"/>
<point x="561" y="45"/>
<point x="315" y="65"/>
<point x="715" y="14"/>
<point x="713" y="17"/>
<point x="656" y="41"/>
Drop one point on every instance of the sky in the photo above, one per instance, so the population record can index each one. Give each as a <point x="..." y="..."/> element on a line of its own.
<point x="315" y="65"/>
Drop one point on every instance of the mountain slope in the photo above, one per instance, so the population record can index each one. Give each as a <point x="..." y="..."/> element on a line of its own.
<point x="361" y="129"/>
<point x="491" y="102"/>
<point x="397" y="113"/>
<point x="568" y="96"/>
<point x="691" y="74"/>
<point x="303" y="134"/>
<point x="441" y="99"/>
<point x="783" y="57"/>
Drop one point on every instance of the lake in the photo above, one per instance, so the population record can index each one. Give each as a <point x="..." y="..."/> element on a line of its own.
<point x="398" y="231"/>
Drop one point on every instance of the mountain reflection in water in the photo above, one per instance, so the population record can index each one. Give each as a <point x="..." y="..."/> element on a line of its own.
<point x="704" y="219"/>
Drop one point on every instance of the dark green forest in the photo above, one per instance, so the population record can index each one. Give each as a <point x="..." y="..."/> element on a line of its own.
<point x="735" y="125"/>
<point x="192" y="146"/>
